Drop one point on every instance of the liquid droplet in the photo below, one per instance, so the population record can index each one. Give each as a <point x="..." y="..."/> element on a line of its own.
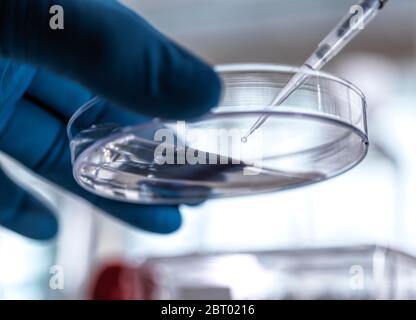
<point x="244" y="139"/>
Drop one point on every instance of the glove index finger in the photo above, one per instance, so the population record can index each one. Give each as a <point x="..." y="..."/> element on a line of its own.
<point x="111" y="51"/>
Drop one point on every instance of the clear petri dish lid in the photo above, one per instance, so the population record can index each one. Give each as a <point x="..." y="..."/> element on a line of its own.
<point x="317" y="133"/>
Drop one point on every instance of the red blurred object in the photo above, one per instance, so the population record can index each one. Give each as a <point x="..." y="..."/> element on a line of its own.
<point x="119" y="281"/>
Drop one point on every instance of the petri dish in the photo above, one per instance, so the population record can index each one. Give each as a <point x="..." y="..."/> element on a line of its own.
<point x="319" y="132"/>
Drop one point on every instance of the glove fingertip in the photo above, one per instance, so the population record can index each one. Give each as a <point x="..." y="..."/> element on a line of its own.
<point x="156" y="219"/>
<point x="203" y="95"/>
<point x="44" y="226"/>
<point x="33" y="220"/>
<point x="190" y="87"/>
<point x="166" y="220"/>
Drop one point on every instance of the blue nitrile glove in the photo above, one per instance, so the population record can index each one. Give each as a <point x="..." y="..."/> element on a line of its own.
<point x="106" y="49"/>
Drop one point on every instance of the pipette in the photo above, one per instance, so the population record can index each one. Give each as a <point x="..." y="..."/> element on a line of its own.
<point x="351" y="25"/>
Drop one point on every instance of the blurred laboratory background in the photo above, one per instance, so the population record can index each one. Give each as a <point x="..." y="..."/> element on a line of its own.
<point x="351" y="237"/>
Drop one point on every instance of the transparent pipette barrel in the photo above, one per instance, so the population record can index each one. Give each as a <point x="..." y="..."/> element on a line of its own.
<point x="330" y="46"/>
<point x="349" y="27"/>
<point x="293" y="84"/>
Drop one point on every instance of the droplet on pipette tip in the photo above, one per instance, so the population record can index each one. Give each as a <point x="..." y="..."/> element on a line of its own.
<point x="244" y="139"/>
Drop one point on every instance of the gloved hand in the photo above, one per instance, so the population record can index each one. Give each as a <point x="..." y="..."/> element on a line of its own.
<point x="46" y="74"/>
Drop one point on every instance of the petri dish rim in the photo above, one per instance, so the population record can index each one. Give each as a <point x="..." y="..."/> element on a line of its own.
<point x="251" y="67"/>
<point x="304" y="115"/>
<point x="269" y="67"/>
